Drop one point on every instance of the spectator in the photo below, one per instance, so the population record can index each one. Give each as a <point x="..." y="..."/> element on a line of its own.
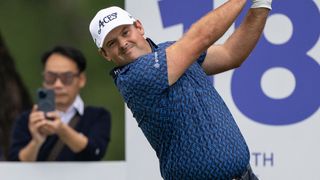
<point x="75" y="132"/>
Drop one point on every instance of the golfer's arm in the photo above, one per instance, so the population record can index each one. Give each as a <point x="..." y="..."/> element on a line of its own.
<point x="239" y="45"/>
<point x="201" y="36"/>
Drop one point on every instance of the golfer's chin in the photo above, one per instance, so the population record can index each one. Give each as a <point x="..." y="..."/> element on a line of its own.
<point x="127" y="59"/>
<point x="129" y="56"/>
<point x="134" y="53"/>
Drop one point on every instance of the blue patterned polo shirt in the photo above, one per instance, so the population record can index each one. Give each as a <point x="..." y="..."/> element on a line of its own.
<point x="188" y="124"/>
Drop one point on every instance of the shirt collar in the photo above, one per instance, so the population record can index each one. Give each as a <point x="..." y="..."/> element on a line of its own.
<point x="152" y="44"/>
<point x="77" y="106"/>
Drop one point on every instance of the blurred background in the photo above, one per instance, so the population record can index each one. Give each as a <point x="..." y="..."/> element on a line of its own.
<point x="30" y="27"/>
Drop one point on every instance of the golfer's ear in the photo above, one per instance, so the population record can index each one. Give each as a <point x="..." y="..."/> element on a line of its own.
<point x="104" y="54"/>
<point x="139" y="26"/>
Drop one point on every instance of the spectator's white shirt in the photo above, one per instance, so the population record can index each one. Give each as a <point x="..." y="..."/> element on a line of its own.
<point x="77" y="106"/>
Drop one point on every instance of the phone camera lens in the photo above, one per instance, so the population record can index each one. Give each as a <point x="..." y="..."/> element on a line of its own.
<point x="42" y="94"/>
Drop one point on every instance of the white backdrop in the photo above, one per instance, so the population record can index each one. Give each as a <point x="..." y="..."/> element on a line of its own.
<point x="283" y="146"/>
<point x="278" y="151"/>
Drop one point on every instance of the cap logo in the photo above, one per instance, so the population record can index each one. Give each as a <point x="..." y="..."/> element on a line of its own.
<point x="106" y="20"/>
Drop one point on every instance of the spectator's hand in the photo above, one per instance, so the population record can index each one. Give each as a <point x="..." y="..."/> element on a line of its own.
<point x="36" y="121"/>
<point x="52" y="126"/>
<point x="261" y="4"/>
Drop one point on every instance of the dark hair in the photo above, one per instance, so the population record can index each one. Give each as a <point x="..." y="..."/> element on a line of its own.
<point x="70" y="52"/>
<point x="14" y="97"/>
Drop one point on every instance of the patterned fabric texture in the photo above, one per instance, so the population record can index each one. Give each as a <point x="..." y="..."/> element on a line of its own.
<point x="187" y="124"/>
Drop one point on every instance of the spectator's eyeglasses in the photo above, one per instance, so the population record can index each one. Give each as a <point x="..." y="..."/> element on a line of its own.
<point x="66" y="78"/>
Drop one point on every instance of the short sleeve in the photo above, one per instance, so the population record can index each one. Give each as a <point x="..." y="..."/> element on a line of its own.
<point x="202" y="57"/>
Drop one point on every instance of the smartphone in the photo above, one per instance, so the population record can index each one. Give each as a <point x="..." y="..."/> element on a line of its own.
<point x="45" y="100"/>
